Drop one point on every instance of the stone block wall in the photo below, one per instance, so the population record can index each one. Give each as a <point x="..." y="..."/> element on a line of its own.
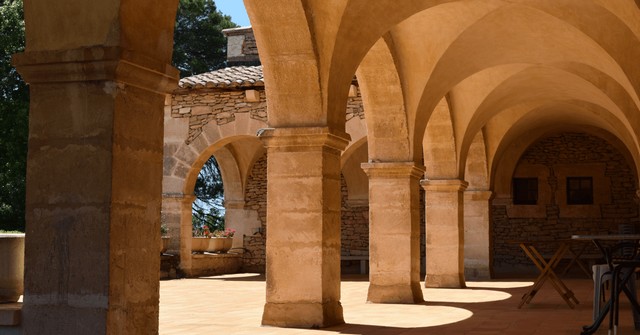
<point x="219" y="106"/>
<point x="556" y="220"/>
<point x="355" y="226"/>
<point x="253" y="259"/>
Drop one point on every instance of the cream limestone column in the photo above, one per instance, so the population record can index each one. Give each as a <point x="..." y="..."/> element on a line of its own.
<point x="445" y="235"/>
<point x="303" y="227"/>
<point x="394" y="232"/>
<point x="476" y="234"/>
<point x="172" y="217"/>
<point x="93" y="190"/>
<point x="177" y="213"/>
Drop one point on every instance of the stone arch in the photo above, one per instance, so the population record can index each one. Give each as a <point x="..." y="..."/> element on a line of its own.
<point x="356" y="179"/>
<point x="551" y="86"/>
<point x="388" y="132"/>
<point x="288" y="52"/>
<point x="183" y="161"/>
<point x="553" y="118"/>
<point x="439" y="144"/>
<point x="236" y="148"/>
<point x="485" y="28"/>
<point x="476" y="166"/>
<point x="512" y="149"/>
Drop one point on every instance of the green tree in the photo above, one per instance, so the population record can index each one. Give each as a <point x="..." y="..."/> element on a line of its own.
<point x="199" y="45"/>
<point x="208" y="208"/>
<point x="14" y="116"/>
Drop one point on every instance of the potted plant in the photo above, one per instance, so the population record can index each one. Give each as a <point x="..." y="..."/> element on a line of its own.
<point x="216" y="241"/>
<point x="222" y="240"/>
<point x="11" y="266"/>
<point x="164" y="233"/>
<point x="200" y="240"/>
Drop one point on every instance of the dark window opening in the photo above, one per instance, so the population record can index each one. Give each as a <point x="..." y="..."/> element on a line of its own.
<point x="525" y="191"/>
<point x="579" y="191"/>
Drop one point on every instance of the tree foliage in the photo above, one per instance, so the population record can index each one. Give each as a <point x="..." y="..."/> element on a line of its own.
<point x="208" y="208"/>
<point x="14" y="116"/>
<point x="199" y="45"/>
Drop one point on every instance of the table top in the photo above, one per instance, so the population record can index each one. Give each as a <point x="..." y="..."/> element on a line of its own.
<point x="607" y="237"/>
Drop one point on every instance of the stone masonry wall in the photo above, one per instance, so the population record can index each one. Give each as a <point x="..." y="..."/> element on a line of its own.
<point x="204" y="106"/>
<point x="568" y="148"/>
<point x="355" y="107"/>
<point x="256" y="199"/>
<point x="355" y="226"/>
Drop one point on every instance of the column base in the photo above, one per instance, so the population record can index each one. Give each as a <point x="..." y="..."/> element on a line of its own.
<point x="303" y="315"/>
<point x="444" y="281"/>
<point x="396" y="294"/>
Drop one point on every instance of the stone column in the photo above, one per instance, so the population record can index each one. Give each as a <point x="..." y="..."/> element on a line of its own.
<point x="394" y="232"/>
<point x="303" y="227"/>
<point x="177" y="213"/>
<point x="445" y="235"/>
<point x="93" y="190"/>
<point x="476" y="234"/>
<point x="171" y="217"/>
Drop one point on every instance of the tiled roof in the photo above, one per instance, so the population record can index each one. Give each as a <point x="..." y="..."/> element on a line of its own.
<point x="230" y="77"/>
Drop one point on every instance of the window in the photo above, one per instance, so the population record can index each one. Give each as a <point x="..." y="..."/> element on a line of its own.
<point x="579" y="190"/>
<point x="525" y="191"/>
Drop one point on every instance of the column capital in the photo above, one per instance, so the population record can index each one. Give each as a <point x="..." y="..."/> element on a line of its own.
<point x="444" y="185"/>
<point x="393" y="170"/>
<point x="97" y="63"/>
<point x="298" y="138"/>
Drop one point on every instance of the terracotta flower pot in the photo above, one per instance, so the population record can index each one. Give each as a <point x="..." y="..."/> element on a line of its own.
<point x="213" y="244"/>
<point x="200" y="244"/>
<point x="11" y="267"/>
<point x="220" y="244"/>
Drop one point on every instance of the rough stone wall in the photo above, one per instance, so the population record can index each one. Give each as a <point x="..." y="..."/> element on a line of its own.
<point x="355" y="226"/>
<point x="568" y="148"/>
<point x="204" y="106"/>
<point x="355" y="107"/>
<point x="256" y="199"/>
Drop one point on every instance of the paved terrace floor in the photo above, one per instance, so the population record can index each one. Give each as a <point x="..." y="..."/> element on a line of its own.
<point x="232" y="305"/>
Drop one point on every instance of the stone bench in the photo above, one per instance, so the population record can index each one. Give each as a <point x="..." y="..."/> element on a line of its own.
<point x="364" y="261"/>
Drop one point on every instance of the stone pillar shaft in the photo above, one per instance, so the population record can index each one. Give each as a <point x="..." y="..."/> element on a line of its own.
<point x="177" y="214"/>
<point x="476" y="235"/>
<point x="93" y="192"/>
<point x="445" y="234"/>
<point x="303" y="227"/>
<point x="394" y="232"/>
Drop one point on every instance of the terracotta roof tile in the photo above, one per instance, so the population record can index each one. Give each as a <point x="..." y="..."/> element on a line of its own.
<point x="230" y="77"/>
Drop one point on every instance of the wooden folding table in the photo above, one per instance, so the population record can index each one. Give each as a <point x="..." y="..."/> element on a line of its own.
<point x="546" y="268"/>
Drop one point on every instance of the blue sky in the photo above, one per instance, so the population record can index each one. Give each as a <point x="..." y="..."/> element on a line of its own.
<point x="235" y="9"/>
